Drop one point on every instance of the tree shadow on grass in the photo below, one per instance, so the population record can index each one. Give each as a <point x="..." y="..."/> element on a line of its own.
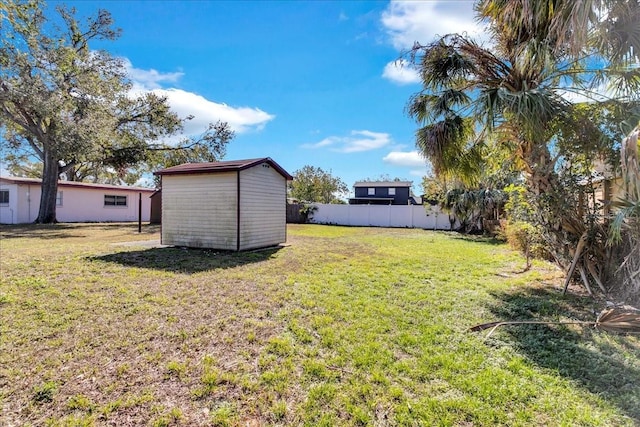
<point x="146" y="228"/>
<point x="186" y="260"/>
<point x="476" y="238"/>
<point x="70" y="229"/>
<point x="39" y="231"/>
<point x="601" y="362"/>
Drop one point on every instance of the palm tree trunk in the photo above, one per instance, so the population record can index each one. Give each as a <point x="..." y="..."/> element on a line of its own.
<point x="554" y="208"/>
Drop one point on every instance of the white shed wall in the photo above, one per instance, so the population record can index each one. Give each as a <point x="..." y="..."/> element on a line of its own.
<point x="263" y="207"/>
<point x="78" y="204"/>
<point x="200" y="210"/>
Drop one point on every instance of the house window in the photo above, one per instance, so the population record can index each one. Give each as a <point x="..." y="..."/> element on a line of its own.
<point x="110" y="200"/>
<point x="371" y="191"/>
<point x="59" y="198"/>
<point x="392" y="191"/>
<point x="4" y="197"/>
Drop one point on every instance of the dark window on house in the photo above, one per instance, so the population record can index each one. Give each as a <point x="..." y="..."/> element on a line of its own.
<point x="59" y="198"/>
<point x="115" y="200"/>
<point x="4" y="197"/>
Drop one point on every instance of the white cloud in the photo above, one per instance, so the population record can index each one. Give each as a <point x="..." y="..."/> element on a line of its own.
<point x="357" y="141"/>
<point x="184" y="103"/>
<point x="409" y="21"/>
<point x="241" y="119"/>
<point x="148" y="79"/>
<point x="324" y="143"/>
<point x="409" y="159"/>
<point x="598" y="94"/>
<point x="420" y="172"/>
<point x="405" y="159"/>
<point x="401" y="72"/>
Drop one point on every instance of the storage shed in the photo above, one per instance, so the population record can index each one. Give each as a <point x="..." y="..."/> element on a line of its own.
<point x="231" y="205"/>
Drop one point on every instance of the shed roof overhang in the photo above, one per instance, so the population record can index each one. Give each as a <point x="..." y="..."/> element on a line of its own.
<point x="226" y="166"/>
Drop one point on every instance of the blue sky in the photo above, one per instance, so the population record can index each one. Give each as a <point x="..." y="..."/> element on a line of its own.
<point x="303" y="82"/>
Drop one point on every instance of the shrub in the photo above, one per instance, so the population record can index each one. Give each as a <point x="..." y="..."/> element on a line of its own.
<point x="307" y="211"/>
<point x="526" y="238"/>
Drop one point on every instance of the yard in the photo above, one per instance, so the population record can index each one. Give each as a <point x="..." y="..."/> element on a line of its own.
<point x="343" y="326"/>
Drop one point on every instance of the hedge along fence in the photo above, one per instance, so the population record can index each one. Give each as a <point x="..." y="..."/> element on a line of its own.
<point x="409" y="216"/>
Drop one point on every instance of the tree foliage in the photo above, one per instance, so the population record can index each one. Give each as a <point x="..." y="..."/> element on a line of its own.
<point x="511" y="93"/>
<point x="384" y="178"/>
<point x="625" y="228"/>
<point x="71" y="109"/>
<point x="312" y="184"/>
<point x="471" y="206"/>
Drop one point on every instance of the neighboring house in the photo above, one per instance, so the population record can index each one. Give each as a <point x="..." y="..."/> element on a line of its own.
<point x="230" y="205"/>
<point x="382" y="193"/>
<point x="607" y="186"/>
<point x="76" y="201"/>
<point x="606" y="189"/>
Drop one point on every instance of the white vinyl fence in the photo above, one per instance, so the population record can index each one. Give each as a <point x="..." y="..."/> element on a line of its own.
<point x="427" y="217"/>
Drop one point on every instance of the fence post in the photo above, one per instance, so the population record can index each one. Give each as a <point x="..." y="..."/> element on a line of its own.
<point x="139" y="212"/>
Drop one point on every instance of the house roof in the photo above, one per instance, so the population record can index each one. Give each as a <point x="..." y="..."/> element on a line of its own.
<point x="75" y="184"/>
<point x="383" y="184"/>
<point x="226" y="166"/>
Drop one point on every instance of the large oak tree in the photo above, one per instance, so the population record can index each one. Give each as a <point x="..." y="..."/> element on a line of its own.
<point x="71" y="107"/>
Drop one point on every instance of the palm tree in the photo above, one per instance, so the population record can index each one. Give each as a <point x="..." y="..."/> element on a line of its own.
<point x="510" y="89"/>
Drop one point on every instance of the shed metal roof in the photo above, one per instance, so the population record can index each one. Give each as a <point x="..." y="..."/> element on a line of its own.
<point x="226" y="166"/>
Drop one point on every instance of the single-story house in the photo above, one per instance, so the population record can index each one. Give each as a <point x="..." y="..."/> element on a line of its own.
<point x="382" y="193"/>
<point x="231" y="205"/>
<point x="76" y="201"/>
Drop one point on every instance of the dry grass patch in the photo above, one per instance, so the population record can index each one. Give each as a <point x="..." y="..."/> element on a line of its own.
<point x="345" y="326"/>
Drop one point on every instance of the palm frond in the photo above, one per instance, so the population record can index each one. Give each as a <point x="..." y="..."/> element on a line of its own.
<point x="618" y="36"/>
<point x="425" y="107"/>
<point x="444" y="141"/>
<point x="442" y="65"/>
<point x="532" y="109"/>
<point x="620" y="320"/>
<point x="625" y="82"/>
<point x="623" y="319"/>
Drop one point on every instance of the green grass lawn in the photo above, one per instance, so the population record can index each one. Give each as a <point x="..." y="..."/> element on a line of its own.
<point x="343" y="326"/>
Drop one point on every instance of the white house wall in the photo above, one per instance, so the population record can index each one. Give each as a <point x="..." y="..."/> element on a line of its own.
<point x="200" y="210"/>
<point x="263" y="216"/>
<point x="87" y="204"/>
<point x="411" y="216"/>
<point x="78" y="204"/>
<point x="9" y="212"/>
